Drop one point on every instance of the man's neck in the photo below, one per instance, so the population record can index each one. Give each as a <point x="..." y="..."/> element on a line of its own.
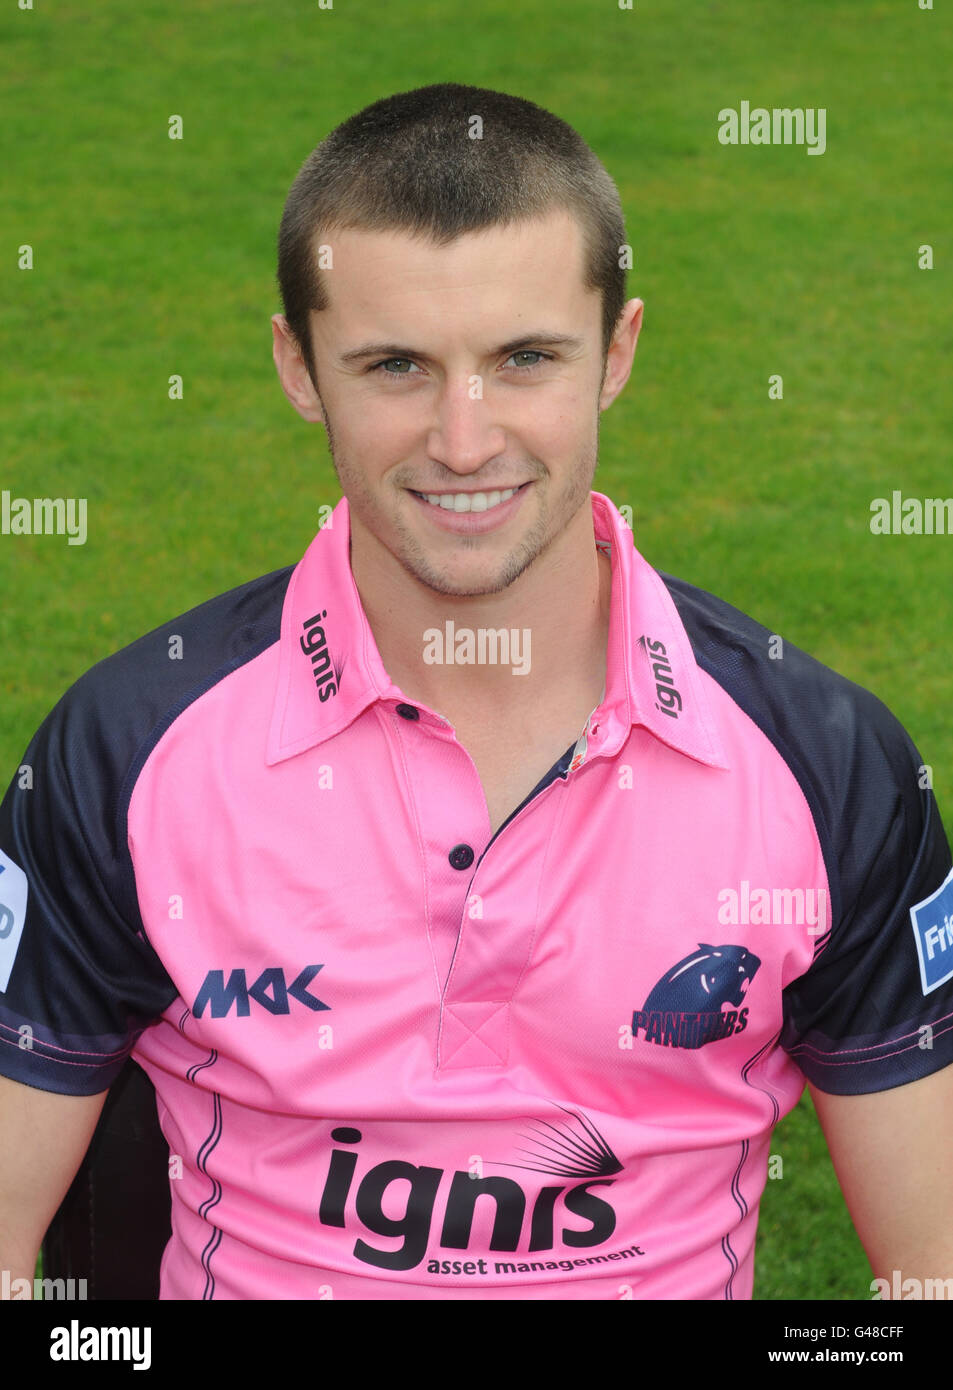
<point x="559" y="609"/>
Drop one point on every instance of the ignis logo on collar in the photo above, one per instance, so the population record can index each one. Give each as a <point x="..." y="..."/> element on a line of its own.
<point x="669" y="700"/>
<point x="314" y="644"/>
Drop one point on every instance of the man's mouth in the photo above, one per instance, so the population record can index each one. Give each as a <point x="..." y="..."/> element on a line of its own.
<point x="469" y="501"/>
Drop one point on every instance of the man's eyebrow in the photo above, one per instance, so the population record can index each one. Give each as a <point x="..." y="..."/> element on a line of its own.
<point x="525" y="341"/>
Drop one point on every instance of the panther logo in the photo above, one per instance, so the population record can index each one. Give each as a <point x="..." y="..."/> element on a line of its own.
<point x="685" y="1008"/>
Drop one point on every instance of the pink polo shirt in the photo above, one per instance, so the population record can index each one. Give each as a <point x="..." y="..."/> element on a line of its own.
<point x="398" y="1057"/>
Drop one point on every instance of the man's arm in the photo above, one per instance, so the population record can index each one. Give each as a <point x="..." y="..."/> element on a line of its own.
<point x="43" y="1140"/>
<point x="891" y="1152"/>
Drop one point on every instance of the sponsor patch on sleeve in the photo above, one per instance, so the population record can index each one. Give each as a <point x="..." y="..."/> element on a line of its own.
<point x="932" y="922"/>
<point x="13" y="891"/>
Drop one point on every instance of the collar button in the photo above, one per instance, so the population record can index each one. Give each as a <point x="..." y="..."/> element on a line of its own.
<point x="461" y="857"/>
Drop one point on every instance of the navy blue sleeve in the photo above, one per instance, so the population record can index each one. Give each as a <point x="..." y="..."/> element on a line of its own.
<point x="79" y="981"/>
<point x="874" y="1009"/>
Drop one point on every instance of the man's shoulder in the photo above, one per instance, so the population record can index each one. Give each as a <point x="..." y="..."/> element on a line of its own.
<point x="84" y="967"/>
<point x="123" y="702"/>
<point x="868" y="790"/>
<point x="192" y="648"/>
<point x="788" y="692"/>
<point x="854" y="760"/>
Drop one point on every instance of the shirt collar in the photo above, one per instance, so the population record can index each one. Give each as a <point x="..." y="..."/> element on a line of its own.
<point x="330" y="671"/>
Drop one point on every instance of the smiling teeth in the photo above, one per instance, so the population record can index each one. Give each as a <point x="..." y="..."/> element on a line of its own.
<point x="468" y="501"/>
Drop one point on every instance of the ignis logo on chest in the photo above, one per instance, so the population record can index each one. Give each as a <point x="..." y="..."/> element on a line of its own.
<point x="314" y="644"/>
<point x="397" y="1200"/>
<point x="668" y="700"/>
<point x="270" y="990"/>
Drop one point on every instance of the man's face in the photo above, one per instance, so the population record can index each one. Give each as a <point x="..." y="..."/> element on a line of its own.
<point x="441" y="370"/>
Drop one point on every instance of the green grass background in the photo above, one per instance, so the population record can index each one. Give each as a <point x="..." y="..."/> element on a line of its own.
<point x="155" y="257"/>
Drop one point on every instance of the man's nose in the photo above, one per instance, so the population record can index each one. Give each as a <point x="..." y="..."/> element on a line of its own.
<point x="464" y="434"/>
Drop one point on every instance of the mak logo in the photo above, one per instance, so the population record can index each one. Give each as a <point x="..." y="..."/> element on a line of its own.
<point x="932" y="922"/>
<point x="13" y="893"/>
<point x="270" y="990"/>
<point x="685" y="1007"/>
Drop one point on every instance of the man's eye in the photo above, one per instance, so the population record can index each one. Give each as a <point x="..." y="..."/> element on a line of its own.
<point x="530" y="352"/>
<point x="403" y="361"/>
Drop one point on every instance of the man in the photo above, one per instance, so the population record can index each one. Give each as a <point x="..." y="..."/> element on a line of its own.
<point x="475" y="898"/>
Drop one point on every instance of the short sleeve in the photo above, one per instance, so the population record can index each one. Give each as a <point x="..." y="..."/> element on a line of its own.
<point x="79" y="982"/>
<point x="875" y="1008"/>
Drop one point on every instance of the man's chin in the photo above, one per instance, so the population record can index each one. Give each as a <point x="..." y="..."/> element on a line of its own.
<point x="461" y="587"/>
<point x="478" y="579"/>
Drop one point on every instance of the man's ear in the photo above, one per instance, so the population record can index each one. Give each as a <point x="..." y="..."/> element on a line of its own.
<point x="292" y="372"/>
<point x="621" y="352"/>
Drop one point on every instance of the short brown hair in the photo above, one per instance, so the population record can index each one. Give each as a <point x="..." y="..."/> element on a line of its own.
<point x="408" y="163"/>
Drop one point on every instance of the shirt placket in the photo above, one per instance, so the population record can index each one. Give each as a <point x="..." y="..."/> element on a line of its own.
<point x="481" y="929"/>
